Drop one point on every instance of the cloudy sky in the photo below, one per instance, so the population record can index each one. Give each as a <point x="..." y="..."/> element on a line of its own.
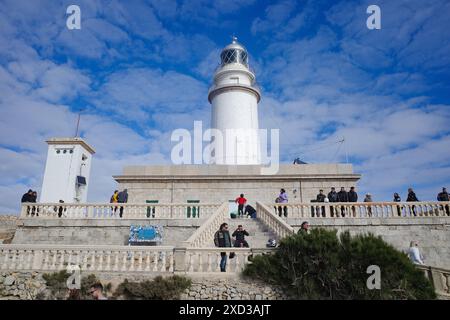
<point x="140" y="69"/>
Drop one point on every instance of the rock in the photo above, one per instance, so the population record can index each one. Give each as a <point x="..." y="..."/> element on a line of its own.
<point x="9" y="280"/>
<point x="21" y="286"/>
<point x="258" y="297"/>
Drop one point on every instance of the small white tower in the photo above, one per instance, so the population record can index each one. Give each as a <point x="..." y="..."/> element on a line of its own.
<point x="234" y="98"/>
<point x="67" y="171"/>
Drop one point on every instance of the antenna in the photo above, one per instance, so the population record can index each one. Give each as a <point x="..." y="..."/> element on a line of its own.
<point x="78" y="122"/>
<point x="345" y="148"/>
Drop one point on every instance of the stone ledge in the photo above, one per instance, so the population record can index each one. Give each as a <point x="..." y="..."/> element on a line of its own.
<point x="57" y="222"/>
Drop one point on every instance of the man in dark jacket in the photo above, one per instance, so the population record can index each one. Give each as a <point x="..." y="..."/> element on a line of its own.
<point x="320" y="198"/>
<point x="342" y="196"/>
<point x="332" y="197"/>
<point x="222" y="239"/>
<point x="240" y="234"/>
<point x="353" y="197"/>
<point x="443" y="196"/>
<point x="28" y="197"/>
<point x="122" y="198"/>
<point x="412" y="198"/>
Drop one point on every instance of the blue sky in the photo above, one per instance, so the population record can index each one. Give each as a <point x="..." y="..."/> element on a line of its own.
<point x="140" y="69"/>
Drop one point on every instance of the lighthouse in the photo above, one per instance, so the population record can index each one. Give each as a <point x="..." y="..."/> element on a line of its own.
<point x="234" y="98"/>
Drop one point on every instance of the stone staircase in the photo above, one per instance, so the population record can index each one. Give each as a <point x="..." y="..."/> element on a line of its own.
<point x="259" y="233"/>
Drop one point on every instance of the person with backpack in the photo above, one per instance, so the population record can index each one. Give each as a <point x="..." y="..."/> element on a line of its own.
<point x="114" y="199"/>
<point x="222" y="239"/>
<point x="241" y="201"/>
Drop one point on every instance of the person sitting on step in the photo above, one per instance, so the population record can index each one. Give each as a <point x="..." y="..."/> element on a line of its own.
<point x="240" y="234"/>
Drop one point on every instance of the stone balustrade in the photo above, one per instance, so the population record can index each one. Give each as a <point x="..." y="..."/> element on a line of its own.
<point x="91" y="258"/>
<point x="207" y="260"/>
<point x="204" y="235"/>
<point x="111" y="211"/>
<point x="126" y="259"/>
<point x="361" y="209"/>
<point x="273" y="221"/>
<point x="440" y="279"/>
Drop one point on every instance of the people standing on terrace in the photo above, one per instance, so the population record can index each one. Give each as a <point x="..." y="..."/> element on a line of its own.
<point x="368" y="198"/>
<point x="342" y="196"/>
<point x="320" y="198"/>
<point x="282" y="198"/>
<point x="122" y="198"/>
<point x="332" y="197"/>
<point x="222" y="239"/>
<point x="34" y="210"/>
<point x="27" y="197"/>
<point x="443" y="196"/>
<point x="412" y="198"/>
<point x="241" y="201"/>
<point x="398" y="199"/>
<point x="114" y="199"/>
<point x="353" y="197"/>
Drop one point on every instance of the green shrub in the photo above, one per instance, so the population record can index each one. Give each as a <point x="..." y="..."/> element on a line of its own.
<point x="57" y="285"/>
<point x="319" y="265"/>
<point x="157" y="289"/>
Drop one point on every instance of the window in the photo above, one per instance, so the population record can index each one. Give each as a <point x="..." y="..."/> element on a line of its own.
<point x="193" y="210"/>
<point x="152" y="209"/>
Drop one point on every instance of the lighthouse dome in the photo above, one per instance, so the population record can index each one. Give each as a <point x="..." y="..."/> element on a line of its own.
<point x="234" y="53"/>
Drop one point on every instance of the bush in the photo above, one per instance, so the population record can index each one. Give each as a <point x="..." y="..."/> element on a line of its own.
<point x="157" y="289"/>
<point x="320" y="265"/>
<point x="57" y="285"/>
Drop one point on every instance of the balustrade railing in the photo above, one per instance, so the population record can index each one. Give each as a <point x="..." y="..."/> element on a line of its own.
<point x="273" y="221"/>
<point x="205" y="233"/>
<point x="361" y="209"/>
<point x="440" y="279"/>
<point x="207" y="260"/>
<point x="121" y="258"/>
<point x="91" y="258"/>
<point x="113" y="211"/>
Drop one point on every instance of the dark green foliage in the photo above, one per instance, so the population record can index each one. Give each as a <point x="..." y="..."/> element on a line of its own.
<point x="157" y="289"/>
<point x="320" y="265"/>
<point x="57" y="283"/>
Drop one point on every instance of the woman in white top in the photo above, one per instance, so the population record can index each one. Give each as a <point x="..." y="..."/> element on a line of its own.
<point x="414" y="253"/>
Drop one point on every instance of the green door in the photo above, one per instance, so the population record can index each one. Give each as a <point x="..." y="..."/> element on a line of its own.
<point x="151" y="210"/>
<point x="193" y="210"/>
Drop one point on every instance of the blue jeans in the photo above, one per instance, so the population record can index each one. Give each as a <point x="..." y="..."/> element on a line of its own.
<point x="223" y="262"/>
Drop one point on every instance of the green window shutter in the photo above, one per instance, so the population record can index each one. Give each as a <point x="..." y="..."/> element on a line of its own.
<point x="194" y="210"/>
<point x="151" y="210"/>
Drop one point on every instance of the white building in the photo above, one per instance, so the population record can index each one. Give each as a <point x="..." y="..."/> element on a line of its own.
<point x="234" y="98"/>
<point x="67" y="171"/>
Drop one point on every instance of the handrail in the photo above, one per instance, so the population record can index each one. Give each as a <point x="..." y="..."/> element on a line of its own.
<point x="272" y="221"/>
<point x="206" y="231"/>
<point x="439" y="277"/>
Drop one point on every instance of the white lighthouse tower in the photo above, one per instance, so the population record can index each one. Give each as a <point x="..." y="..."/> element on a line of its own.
<point x="67" y="171"/>
<point x="234" y="98"/>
